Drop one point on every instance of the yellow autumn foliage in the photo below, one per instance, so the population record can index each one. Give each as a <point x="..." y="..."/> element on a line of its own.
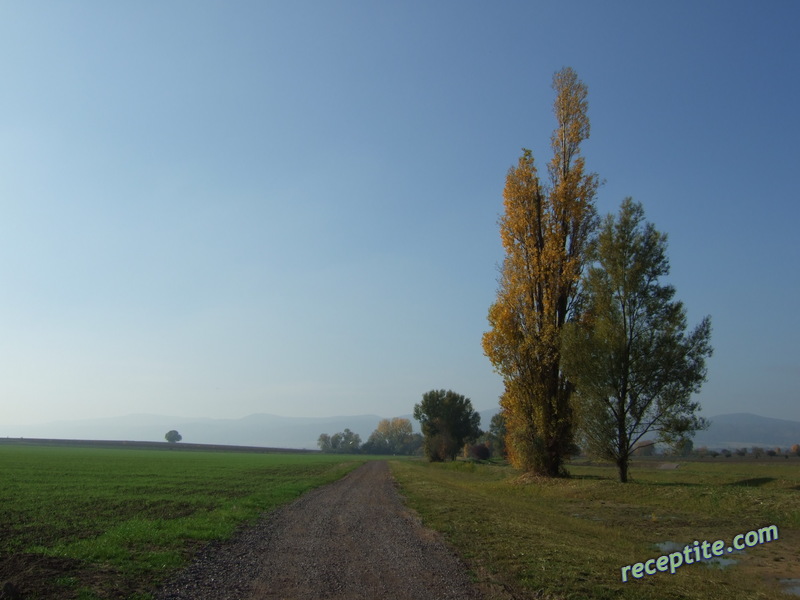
<point x="544" y="230"/>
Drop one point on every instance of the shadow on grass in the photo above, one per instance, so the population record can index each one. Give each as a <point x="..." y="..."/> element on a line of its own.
<point x="754" y="482"/>
<point x="592" y="477"/>
<point x="633" y="479"/>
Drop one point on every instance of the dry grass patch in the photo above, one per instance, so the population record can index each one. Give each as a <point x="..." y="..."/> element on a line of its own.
<point x="569" y="538"/>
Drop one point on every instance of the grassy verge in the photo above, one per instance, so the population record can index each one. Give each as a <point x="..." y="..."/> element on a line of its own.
<point x="570" y="538"/>
<point x="100" y="523"/>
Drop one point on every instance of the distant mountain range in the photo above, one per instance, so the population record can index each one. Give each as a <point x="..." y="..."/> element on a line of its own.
<point x="745" y="430"/>
<point x="726" y="431"/>
<point x="264" y="430"/>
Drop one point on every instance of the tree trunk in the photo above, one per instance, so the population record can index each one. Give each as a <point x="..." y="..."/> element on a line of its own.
<point x="553" y="456"/>
<point x="622" y="465"/>
<point x="623" y="453"/>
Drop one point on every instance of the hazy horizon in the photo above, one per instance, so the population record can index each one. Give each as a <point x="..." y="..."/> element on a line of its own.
<point x="214" y="210"/>
<point x="408" y="415"/>
<point x="273" y="431"/>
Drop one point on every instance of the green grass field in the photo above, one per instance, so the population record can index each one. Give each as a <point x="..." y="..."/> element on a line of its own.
<point x="569" y="538"/>
<point x="112" y="523"/>
<point x="95" y="523"/>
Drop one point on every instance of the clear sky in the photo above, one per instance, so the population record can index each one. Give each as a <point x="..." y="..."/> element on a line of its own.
<point x="212" y="209"/>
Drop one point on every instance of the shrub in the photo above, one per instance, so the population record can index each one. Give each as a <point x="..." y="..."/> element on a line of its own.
<point x="479" y="451"/>
<point x="439" y="447"/>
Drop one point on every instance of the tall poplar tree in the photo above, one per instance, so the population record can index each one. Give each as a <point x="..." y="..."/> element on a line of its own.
<point x="545" y="229"/>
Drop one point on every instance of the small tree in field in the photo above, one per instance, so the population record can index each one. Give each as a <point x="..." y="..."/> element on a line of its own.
<point x="173" y="437"/>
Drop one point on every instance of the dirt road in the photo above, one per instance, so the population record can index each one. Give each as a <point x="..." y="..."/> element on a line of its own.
<point x="351" y="539"/>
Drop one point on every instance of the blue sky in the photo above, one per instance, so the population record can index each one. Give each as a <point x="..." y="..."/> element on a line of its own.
<point x="220" y="208"/>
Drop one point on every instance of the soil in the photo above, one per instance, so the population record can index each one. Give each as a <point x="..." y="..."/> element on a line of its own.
<point x="351" y="539"/>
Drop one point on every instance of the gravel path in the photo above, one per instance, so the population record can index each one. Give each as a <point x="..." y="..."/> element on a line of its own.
<point x="351" y="539"/>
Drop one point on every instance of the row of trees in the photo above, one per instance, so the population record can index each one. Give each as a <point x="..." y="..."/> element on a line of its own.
<point x="686" y="448"/>
<point x="754" y="451"/>
<point x="447" y="420"/>
<point x="591" y="344"/>
<point x="392" y="436"/>
<point x="345" y="442"/>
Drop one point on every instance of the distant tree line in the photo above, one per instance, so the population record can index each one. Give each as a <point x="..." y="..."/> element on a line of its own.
<point x="392" y="436"/>
<point x="685" y="448"/>
<point x="345" y="442"/>
<point x="450" y="426"/>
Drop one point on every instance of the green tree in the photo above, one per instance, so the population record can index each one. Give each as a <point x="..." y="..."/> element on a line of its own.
<point x="545" y="230"/>
<point x="324" y="442"/>
<point x="497" y="433"/>
<point x="448" y="421"/>
<point x="349" y="442"/>
<point x="173" y="437"/>
<point x="634" y="363"/>
<point x="345" y="442"/>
